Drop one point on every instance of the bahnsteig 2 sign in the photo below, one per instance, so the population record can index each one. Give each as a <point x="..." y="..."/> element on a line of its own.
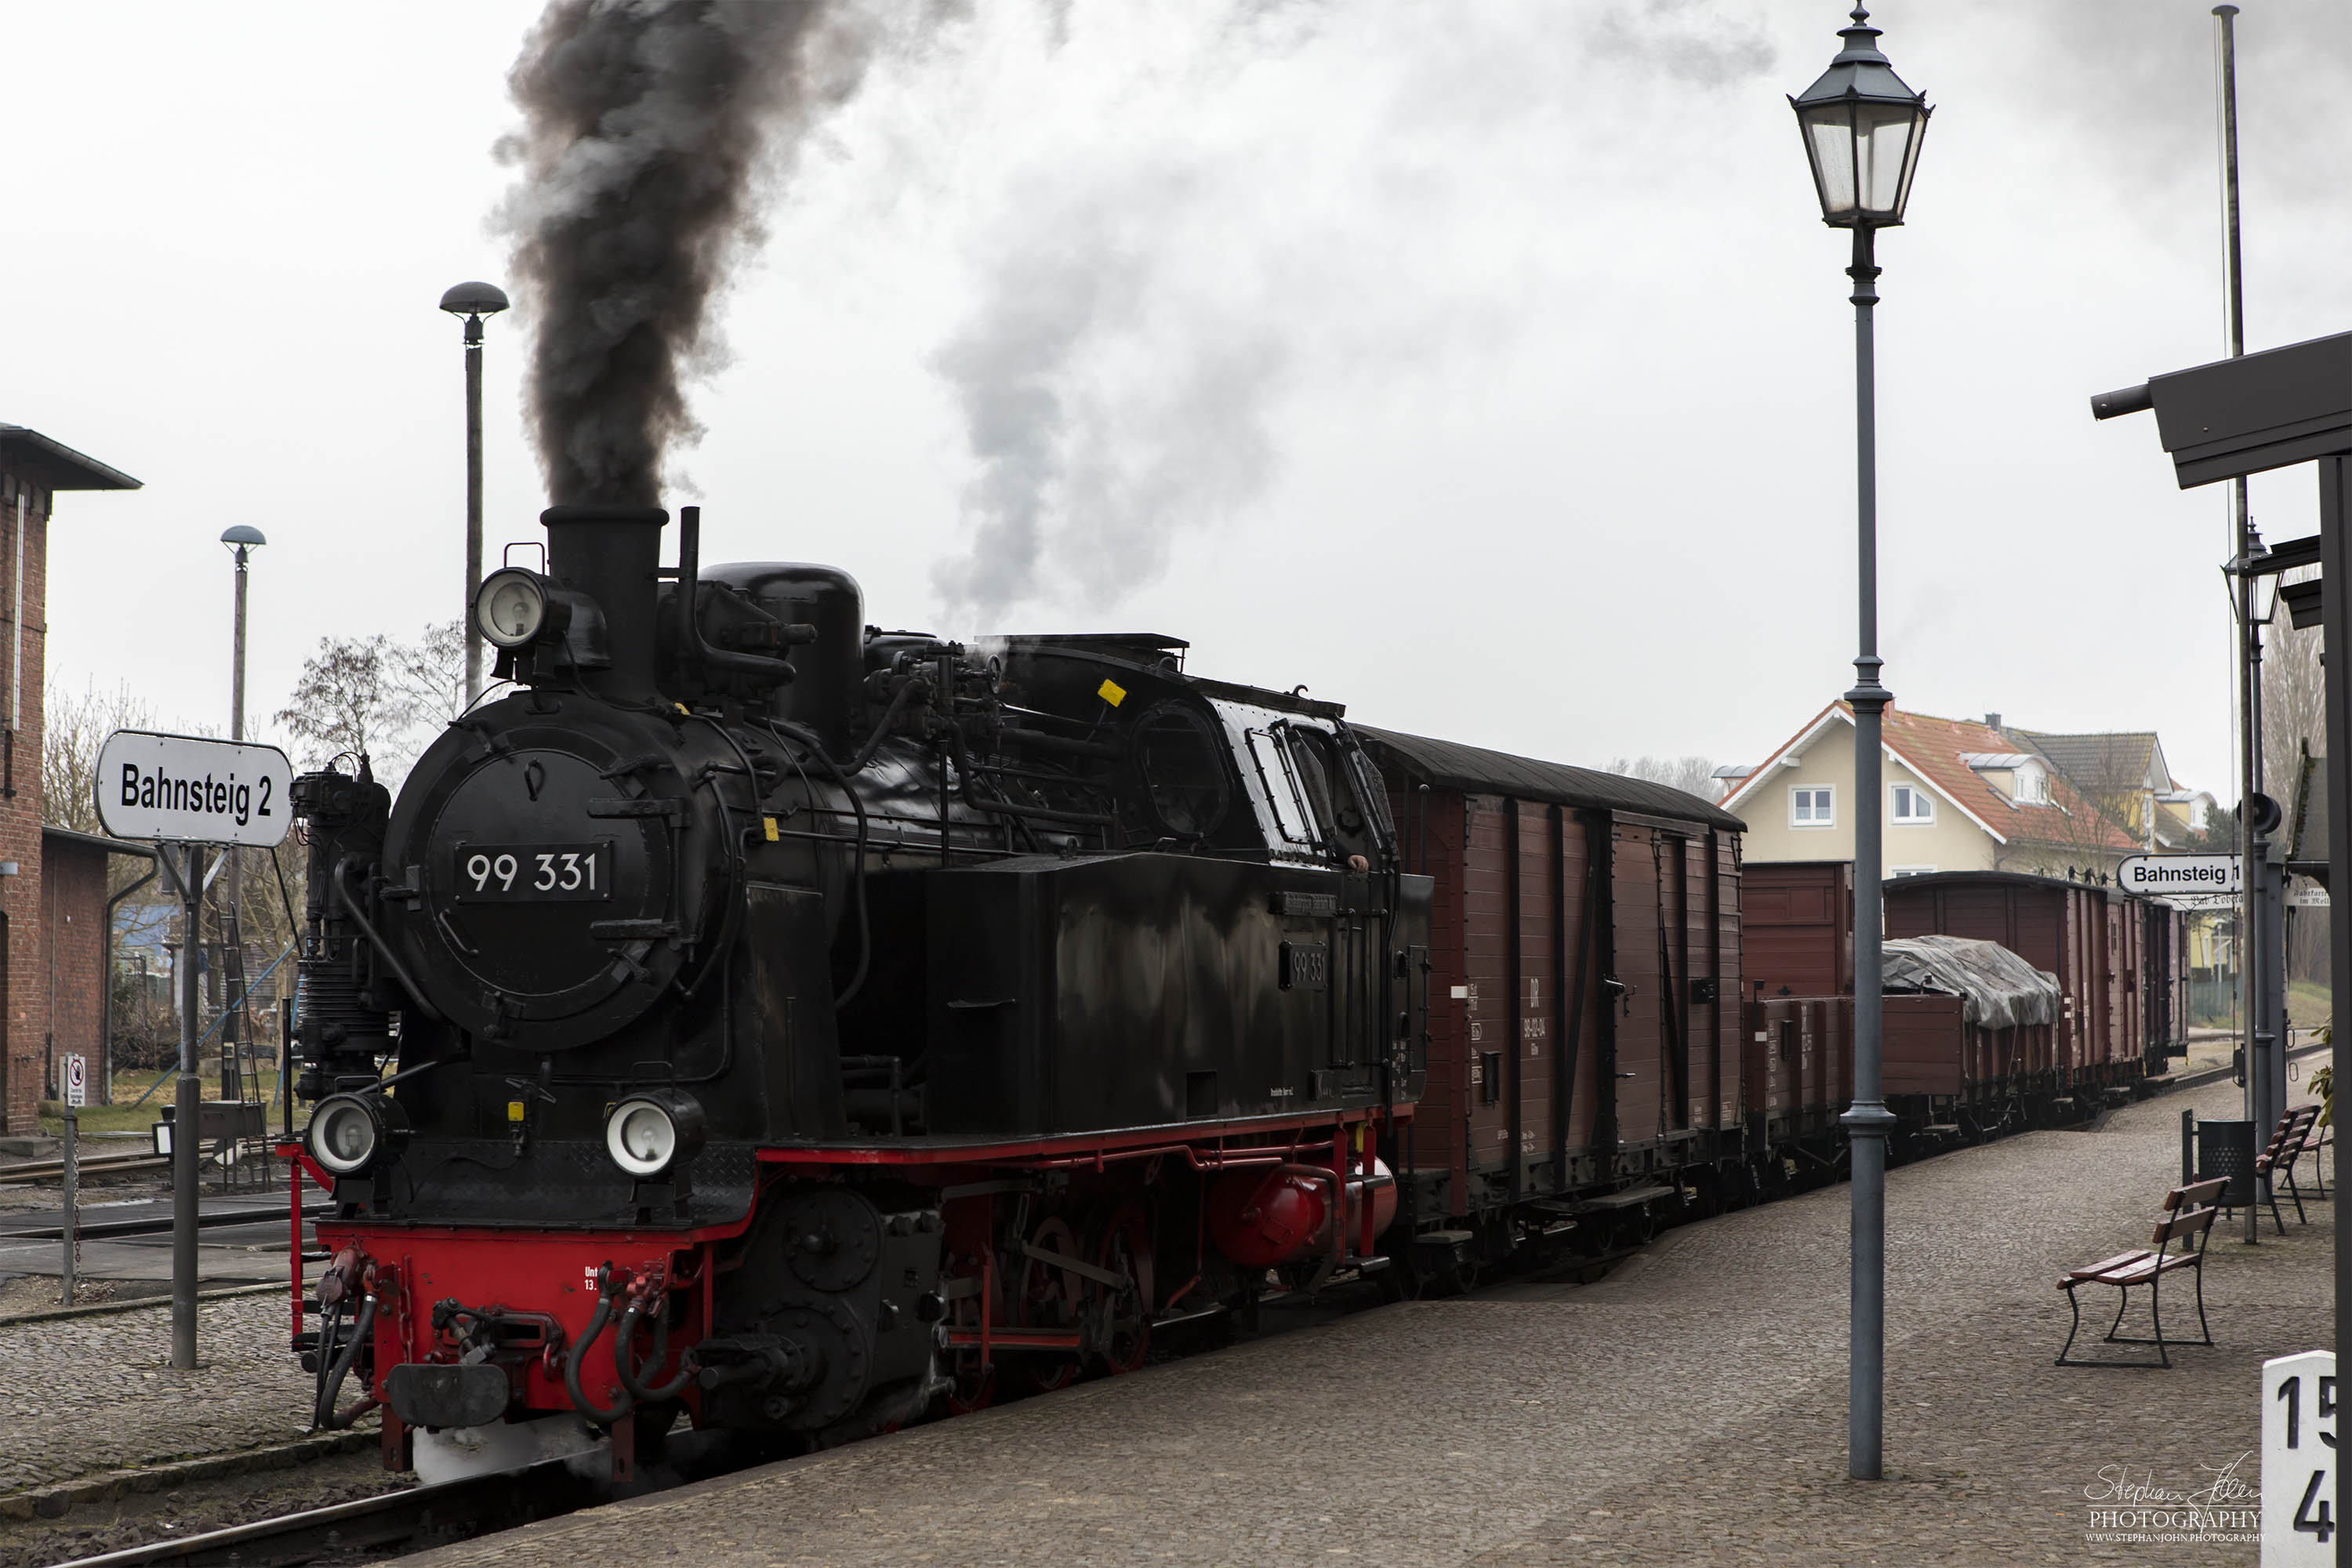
<point x="181" y="789"/>
<point x="2179" y="875"/>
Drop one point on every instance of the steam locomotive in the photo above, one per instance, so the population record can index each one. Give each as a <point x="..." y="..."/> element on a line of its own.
<point x="761" y="1018"/>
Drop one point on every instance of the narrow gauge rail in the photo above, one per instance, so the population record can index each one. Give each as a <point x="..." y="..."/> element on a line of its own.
<point x="103" y="1165"/>
<point x="377" y="1526"/>
<point x="107" y="1229"/>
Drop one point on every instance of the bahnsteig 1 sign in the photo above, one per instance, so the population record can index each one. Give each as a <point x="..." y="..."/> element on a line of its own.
<point x="2177" y="875"/>
<point x="183" y="789"/>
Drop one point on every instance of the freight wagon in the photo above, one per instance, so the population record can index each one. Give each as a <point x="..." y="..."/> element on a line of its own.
<point x="1584" y="1044"/>
<point x="2117" y="958"/>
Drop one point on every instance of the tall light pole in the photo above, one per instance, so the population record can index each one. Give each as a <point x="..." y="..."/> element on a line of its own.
<point x="473" y="302"/>
<point x="1862" y="129"/>
<point x="242" y="541"/>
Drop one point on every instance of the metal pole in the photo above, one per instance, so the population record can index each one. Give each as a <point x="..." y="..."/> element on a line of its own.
<point x="185" y="1114"/>
<point x="72" y="1200"/>
<point x="2248" y="689"/>
<point x="473" y="504"/>
<point x="1867" y="1121"/>
<point x="2336" y="617"/>
<point x="232" y="1038"/>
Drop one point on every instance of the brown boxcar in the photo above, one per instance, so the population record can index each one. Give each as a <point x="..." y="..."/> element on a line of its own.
<point x="1799" y="927"/>
<point x="1583" y="1050"/>
<point x="2093" y="939"/>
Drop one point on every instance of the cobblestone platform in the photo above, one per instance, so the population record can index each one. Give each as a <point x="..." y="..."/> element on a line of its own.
<point x="79" y="1395"/>
<point x="1688" y="1409"/>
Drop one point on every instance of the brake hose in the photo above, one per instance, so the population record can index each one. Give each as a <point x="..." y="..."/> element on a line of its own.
<point x="596" y="1322"/>
<point x="324" y="1413"/>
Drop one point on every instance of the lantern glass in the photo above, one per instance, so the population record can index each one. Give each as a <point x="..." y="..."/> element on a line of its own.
<point x="1864" y="154"/>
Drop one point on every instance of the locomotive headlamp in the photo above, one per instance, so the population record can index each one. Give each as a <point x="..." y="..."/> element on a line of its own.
<point x="513" y="608"/>
<point x="349" y="1133"/>
<point x="652" y="1131"/>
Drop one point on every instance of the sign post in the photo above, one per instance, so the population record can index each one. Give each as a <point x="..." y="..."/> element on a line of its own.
<point x="187" y="795"/>
<point x="76" y="1089"/>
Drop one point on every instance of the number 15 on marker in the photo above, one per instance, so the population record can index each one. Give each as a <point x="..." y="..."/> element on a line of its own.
<point x="2299" y="1520"/>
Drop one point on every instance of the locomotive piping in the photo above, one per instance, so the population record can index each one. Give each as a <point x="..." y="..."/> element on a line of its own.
<point x="691" y="644"/>
<point x="785" y="728"/>
<point x="399" y="969"/>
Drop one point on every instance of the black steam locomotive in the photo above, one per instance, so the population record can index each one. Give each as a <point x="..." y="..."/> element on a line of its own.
<point x="756" y="1016"/>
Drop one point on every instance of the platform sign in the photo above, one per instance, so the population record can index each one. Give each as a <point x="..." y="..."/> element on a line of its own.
<point x="183" y="789"/>
<point x="77" y="1077"/>
<point x="2174" y="875"/>
<point x="2299" y="1460"/>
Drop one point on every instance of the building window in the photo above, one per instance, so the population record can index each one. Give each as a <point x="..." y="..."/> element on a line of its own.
<point x="2033" y="786"/>
<point x="1910" y="871"/>
<point x="1808" y="805"/>
<point x="1913" y="804"/>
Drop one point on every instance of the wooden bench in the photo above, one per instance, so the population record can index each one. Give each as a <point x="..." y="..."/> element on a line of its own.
<point x="2294" y="1131"/>
<point x="2187" y="1218"/>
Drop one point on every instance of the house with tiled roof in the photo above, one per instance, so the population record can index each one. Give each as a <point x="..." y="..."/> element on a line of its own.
<point x="2125" y="772"/>
<point x="1960" y="797"/>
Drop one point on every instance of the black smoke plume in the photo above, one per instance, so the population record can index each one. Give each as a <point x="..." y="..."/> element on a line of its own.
<point x="648" y="126"/>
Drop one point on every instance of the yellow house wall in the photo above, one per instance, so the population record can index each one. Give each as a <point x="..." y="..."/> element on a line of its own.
<point x="1950" y="843"/>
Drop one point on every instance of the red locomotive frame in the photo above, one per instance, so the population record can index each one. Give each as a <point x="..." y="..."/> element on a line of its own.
<point x="552" y="1277"/>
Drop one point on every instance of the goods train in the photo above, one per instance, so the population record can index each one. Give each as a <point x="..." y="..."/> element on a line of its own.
<point x="752" y="1016"/>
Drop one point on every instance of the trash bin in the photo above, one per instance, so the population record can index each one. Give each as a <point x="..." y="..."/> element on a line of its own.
<point x="2226" y="1149"/>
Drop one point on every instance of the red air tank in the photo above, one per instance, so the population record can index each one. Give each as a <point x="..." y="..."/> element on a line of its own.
<point x="1266" y="1216"/>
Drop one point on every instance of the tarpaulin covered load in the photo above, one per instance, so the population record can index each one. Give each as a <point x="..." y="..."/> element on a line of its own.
<point x="1998" y="989"/>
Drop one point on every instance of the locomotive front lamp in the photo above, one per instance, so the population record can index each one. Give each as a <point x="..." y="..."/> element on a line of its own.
<point x="651" y="1131"/>
<point x="349" y="1133"/>
<point x="511" y="609"/>
<point x="1862" y="128"/>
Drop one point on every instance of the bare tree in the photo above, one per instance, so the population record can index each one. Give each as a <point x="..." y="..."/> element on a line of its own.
<point x="377" y="697"/>
<point x="75" y="727"/>
<point x="1691" y="774"/>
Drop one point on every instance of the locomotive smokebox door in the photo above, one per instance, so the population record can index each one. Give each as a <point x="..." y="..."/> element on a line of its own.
<point x="540" y="878"/>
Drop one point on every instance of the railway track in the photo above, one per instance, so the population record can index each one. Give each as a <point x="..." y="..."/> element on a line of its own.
<point x="383" y="1526"/>
<point x="106" y="1229"/>
<point x="101" y="1165"/>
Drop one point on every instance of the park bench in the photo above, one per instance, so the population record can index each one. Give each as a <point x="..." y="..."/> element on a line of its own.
<point x="2295" y="1130"/>
<point x="2187" y="1218"/>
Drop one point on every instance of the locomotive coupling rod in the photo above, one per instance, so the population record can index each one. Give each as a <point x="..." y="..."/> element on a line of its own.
<point x="1070" y="1264"/>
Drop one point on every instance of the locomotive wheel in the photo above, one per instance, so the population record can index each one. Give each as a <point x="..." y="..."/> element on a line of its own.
<point x="1124" y="1248"/>
<point x="1048" y="1299"/>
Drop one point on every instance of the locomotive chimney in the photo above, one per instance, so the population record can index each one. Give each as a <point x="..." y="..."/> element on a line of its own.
<point x="612" y="555"/>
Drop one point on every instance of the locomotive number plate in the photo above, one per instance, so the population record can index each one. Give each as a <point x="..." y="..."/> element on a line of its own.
<point x="533" y="873"/>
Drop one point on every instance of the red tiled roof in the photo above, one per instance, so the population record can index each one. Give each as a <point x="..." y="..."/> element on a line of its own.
<point x="1932" y="748"/>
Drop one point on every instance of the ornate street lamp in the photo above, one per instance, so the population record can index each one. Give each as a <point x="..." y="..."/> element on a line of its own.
<point x="473" y="302"/>
<point x="1862" y="128"/>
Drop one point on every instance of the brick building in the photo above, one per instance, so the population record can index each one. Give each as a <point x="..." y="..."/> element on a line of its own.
<point x="33" y="469"/>
<point x="74" y="939"/>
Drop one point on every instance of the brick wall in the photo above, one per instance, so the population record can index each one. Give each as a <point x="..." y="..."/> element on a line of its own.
<point x="73" y="928"/>
<point x="21" y="902"/>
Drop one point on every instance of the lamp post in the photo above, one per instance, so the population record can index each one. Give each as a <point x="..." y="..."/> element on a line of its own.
<point x="473" y="302"/>
<point x="241" y="541"/>
<point x="1862" y="129"/>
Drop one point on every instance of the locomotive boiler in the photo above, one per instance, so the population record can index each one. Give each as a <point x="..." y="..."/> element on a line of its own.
<point x="752" y="1016"/>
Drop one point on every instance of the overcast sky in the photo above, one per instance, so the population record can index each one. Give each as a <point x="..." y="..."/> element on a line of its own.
<point x="1483" y="366"/>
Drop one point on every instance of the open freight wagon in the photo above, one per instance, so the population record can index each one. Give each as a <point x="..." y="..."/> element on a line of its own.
<point x="1584" y="1051"/>
<point x="2116" y="957"/>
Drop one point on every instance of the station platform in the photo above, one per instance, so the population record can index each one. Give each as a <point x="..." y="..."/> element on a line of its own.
<point x="1689" y="1408"/>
